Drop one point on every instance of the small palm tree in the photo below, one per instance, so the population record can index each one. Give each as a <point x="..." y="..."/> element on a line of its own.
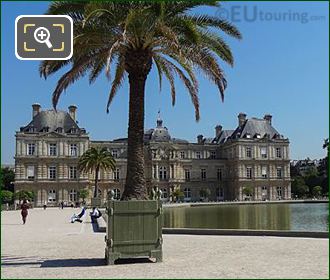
<point x="95" y="159"/>
<point x="130" y="37"/>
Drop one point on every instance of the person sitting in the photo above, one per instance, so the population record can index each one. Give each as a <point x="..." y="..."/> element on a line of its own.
<point x="95" y="214"/>
<point x="77" y="218"/>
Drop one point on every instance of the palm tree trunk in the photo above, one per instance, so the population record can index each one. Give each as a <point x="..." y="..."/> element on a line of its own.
<point x="138" y="65"/>
<point x="96" y="180"/>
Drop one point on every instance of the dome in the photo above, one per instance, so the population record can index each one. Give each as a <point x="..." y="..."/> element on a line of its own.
<point x="160" y="133"/>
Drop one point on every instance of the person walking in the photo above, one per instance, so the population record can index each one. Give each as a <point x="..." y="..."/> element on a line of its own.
<point x="24" y="210"/>
<point x="62" y="204"/>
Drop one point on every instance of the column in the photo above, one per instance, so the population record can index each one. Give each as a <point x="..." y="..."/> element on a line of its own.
<point x="240" y="194"/>
<point x="81" y="149"/>
<point x="61" y="152"/>
<point x="23" y="148"/>
<point x="44" y="148"/>
<point x="18" y="148"/>
<point x="39" y="148"/>
<point x="289" y="191"/>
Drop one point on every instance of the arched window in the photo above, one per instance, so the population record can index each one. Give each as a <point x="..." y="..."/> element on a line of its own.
<point x="51" y="195"/>
<point x="116" y="194"/>
<point x="219" y="192"/>
<point x="187" y="193"/>
<point x="164" y="193"/>
<point x="73" y="195"/>
<point x="162" y="173"/>
<point x="279" y="192"/>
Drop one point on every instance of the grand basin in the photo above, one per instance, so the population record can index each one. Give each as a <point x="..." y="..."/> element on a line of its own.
<point x="281" y="216"/>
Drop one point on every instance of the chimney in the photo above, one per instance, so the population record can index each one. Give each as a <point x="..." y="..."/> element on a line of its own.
<point x="218" y="130"/>
<point x="241" y="119"/>
<point x="35" y="109"/>
<point x="200" y="139"/>
<point x="72" y="111"/>
<point x="268" y="118"/>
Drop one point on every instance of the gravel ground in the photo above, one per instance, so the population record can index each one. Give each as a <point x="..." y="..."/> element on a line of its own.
<point x="49" y="246"/>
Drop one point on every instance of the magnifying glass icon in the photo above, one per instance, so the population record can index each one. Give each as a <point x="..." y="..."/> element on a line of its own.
<point x="41" y="35"/>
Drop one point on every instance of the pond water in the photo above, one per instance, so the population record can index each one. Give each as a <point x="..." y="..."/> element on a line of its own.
<point x="281" y="216"/>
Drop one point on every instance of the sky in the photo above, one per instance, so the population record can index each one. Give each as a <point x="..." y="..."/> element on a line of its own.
<point x="281" y="68"/>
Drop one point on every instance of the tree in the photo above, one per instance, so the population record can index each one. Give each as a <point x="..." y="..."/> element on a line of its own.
<point x="95" y="159"/>
<point x="299" y="187"/>
<point x="83" y="194"/>
<point x="6" y="196"/>
<point x="131" y="36"/>
<point x="317" y="191"/>
<point x="312" y="179"/>
<point x="248" y="191"/>
<point x="204" y="192"/>
<point x="7" y="177"/>
<point x="177" y="194"/>
<point x="22" y="194"/>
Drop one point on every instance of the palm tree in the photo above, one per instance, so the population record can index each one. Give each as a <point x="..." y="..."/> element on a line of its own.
<point x="128" y="38"/>
<point x="95" y="159"/>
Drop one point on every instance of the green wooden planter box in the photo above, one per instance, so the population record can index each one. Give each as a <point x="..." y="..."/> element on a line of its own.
<point x="134" y="229"/>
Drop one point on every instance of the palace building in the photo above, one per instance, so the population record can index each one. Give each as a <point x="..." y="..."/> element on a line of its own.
<point x="249" y="162"/>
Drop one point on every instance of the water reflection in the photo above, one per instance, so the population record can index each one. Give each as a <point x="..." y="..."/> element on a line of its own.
<point x="261" y="216"/>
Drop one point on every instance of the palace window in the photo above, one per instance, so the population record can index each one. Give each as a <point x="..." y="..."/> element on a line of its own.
<point x="52" y="149"/>
<point x="263" y="151"/>
<point x="164" y="193"/>
<point x="30" y="172"/>
<point x="73" y="172"/>
<point x="219" y="192"/>
<point x="203" y="174"/>
<point x="51" y="195"/>
<point x="213" y="155"/>
<point x="114" y="153"/>
<point x="162" y="173"/>
<point x="73" y="150"/>
<point x="248" y="151"/>
<point x="187" y="193"/>
<point x="279" y="172"/>
<point x="264" y="172"/>
<point x="52" y="172"/>
<point x="187" y="174"/>
<point x="219" y="174"/>
<point x="116" y="174"/>
<point x="279" y="192"/>
<point x="182" y="155"/>
<point x="198" y="155"/>
<point x="249" y="172"/>
<point x="278" y="152"/>
<point x="31" y="149"/>
<point x="116" y="194"/>
<point x="73" y="195"/>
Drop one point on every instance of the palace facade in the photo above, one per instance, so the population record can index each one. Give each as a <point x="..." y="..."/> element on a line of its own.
<point x="249" y="162"/>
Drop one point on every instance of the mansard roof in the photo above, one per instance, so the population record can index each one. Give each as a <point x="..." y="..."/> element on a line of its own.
<point x="223" y="137"/>
<point x="256" y="128"/>
<point x="52" y="120"/>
